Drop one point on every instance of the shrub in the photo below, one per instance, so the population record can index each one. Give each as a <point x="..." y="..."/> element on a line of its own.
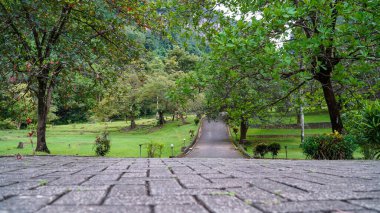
<point x="102" y="144"/>
<point x="261" y="149"/>
<point x="364" y="126"/>
<point x="329" y="147"/>
<point x="7" y="124"/>
<point x="274" y="148"/>
<point x="235" y="129"/>
<point x="370" y="128"/>
<point x="154" y="149"/>
<point x="196" y="121"/>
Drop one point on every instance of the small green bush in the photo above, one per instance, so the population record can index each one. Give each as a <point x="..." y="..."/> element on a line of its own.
<point x="102" y="144"/>
<point x="235" y="129"/>
<point x="274" y="148"/>
<point x="329" y="147"/>
<point x="261" y="149"/>
<point x="7" y="124"/>
<point x="370" y="127"/>
<point x="154" y="149"/>
<point x="364" y="126"/>
<point x="196" y="121"/>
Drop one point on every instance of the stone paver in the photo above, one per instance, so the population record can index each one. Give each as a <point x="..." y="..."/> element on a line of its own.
<point x="82" y="184"/>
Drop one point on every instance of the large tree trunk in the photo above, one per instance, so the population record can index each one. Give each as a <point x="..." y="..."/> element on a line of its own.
<point x="43" y="108"/>
<point x="243" y="129"/>
<point x="133" y="123"/>
<point x="332" y="104"/>
<point x="161" y="119"/>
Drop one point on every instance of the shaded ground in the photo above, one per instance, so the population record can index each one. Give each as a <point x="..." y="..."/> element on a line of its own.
<point x="79" y="184"/>
<point x="214" y="142"/>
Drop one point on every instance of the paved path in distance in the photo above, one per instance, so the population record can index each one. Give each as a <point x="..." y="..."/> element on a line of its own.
<point x="84" y="184"/>
<point x="214" y="142"/>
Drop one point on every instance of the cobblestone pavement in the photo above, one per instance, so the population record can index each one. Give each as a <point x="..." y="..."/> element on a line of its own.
<point x="214" y="142"/>
<point x="79" y="184"/>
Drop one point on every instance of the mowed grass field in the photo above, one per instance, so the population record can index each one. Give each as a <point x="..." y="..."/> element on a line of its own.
<point x="316" y="117"/>
<point x="78" y="139"/>
<point x="291" y="138"/>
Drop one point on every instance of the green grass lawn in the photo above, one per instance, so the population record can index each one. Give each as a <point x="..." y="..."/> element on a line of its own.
<point x="294" y="132"/>
<point x="285" y="137"/>
<point x="78" y="139"/>
<point x="317" y="117"/>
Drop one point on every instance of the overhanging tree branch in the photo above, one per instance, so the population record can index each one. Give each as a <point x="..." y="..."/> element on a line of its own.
<point x="17" y="33"/>
<point x="284" y="97"/>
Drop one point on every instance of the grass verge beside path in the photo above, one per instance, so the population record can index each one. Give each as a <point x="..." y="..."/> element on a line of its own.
<point x="285" y="137"/>
<point x="78" y="139"/>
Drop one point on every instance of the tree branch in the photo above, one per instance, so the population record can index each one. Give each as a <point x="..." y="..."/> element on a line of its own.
<point x="286" y="96"/>
<point x="57" y="29"/>
<point x="17" y="32"/>
<point x="32" y="25"/>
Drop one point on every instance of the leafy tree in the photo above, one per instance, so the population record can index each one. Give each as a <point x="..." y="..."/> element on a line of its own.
<point x="332" y="42"/>
<point x="330" y="37"/>
<point x="154" y="94"/>
<point x="186" y="95"/>
<point x="185" y="62"/>
<point x="122" y="98"/>
<point x="42" y="42"/>
<point x="238" y="77"/>
<point x="75" y="99"/>
<point x="17" y="104"/>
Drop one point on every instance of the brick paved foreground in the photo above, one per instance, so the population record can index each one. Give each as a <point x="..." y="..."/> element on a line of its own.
<point x="74" y="184"/>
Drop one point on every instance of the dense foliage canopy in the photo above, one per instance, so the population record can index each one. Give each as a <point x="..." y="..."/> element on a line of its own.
<point x="75" y="61"/>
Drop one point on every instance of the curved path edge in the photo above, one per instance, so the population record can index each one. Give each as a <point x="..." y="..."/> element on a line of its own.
<point x="190" y="147"/>
<point x="213" y="142"/>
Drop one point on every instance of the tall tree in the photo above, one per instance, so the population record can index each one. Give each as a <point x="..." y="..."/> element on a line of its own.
<point x="332" y="40"/>
<point x="327" y="38"/>
<point x="238" y="79"/>
<point x="42" y="41"/>
<point x="122" y="98"/>
<point x="154" y="94"/>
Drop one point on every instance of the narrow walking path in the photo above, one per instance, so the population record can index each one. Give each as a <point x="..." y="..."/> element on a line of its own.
<point x="214" y="142"/>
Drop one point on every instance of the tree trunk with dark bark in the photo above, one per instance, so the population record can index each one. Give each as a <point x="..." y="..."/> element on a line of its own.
<point x="243" y="129"/>
<point x="161" y="119"/>
<point x="42" y="111"/>
<point x="332" y="104"/>
<point x="133" y="123"/>
<point x="298" y="118"/>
